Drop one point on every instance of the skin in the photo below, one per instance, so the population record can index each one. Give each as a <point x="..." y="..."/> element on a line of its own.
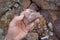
<point x="17" y="29"/>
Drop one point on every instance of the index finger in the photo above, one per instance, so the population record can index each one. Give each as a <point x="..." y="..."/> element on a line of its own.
<point x="17" y="18"/>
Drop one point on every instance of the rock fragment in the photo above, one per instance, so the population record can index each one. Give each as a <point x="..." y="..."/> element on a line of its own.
<point x="34" y="7"/>
<point x="46" y="4"/>
<point x="32" y="36"/>
<point x="25" y="3"/>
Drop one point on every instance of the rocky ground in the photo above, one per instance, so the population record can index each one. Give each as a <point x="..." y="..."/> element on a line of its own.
<point x="43" y="30"/>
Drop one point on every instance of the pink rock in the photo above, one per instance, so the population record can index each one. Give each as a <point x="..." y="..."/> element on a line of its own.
<point x="30" y="16"/>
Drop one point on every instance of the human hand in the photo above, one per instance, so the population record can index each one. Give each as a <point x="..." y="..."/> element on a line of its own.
<point x="17" y="29"/>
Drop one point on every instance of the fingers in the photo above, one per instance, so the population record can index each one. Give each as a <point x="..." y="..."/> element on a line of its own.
<point x="32" y="24"/>
<point x="16" y="19"/>
<point x="19" y="17"/>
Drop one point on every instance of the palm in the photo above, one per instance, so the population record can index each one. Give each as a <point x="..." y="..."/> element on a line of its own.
<point x="17" y="29"/>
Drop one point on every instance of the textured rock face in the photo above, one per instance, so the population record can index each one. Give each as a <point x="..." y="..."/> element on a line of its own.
<point x="32" y="36"/>
<point x="25" y="3"/>
<point x="46" y="14"/>
<point x="58" y="2"/>
<point x="47" y="4"/>
<point x="30" y="16"/>
<point x="56" y="27"/>
<point x="33" y="6"/>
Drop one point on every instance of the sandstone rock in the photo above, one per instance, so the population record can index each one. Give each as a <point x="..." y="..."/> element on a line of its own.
<point x="25" y="3"/>
<point x="46" y="4"/>
<point x="30" y="15"/>
<point x="34" y="7"/>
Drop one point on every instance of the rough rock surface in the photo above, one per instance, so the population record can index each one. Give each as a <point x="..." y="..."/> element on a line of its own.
<point x="47" y="4"/>
<point x="33" y="6"/>
<point x="30" y="16"/>
<point x="32" y="36"/>
<point x="25" y="3"/>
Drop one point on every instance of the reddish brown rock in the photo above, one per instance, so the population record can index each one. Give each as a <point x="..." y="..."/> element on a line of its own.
<point x="34" y="7"/>
<point x="46" y="4"/>
<point x="30" y="16"/>
<point x="25" y="3"/>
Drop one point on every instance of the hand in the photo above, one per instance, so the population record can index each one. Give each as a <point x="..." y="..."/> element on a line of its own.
<point x="17" y="29"/>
